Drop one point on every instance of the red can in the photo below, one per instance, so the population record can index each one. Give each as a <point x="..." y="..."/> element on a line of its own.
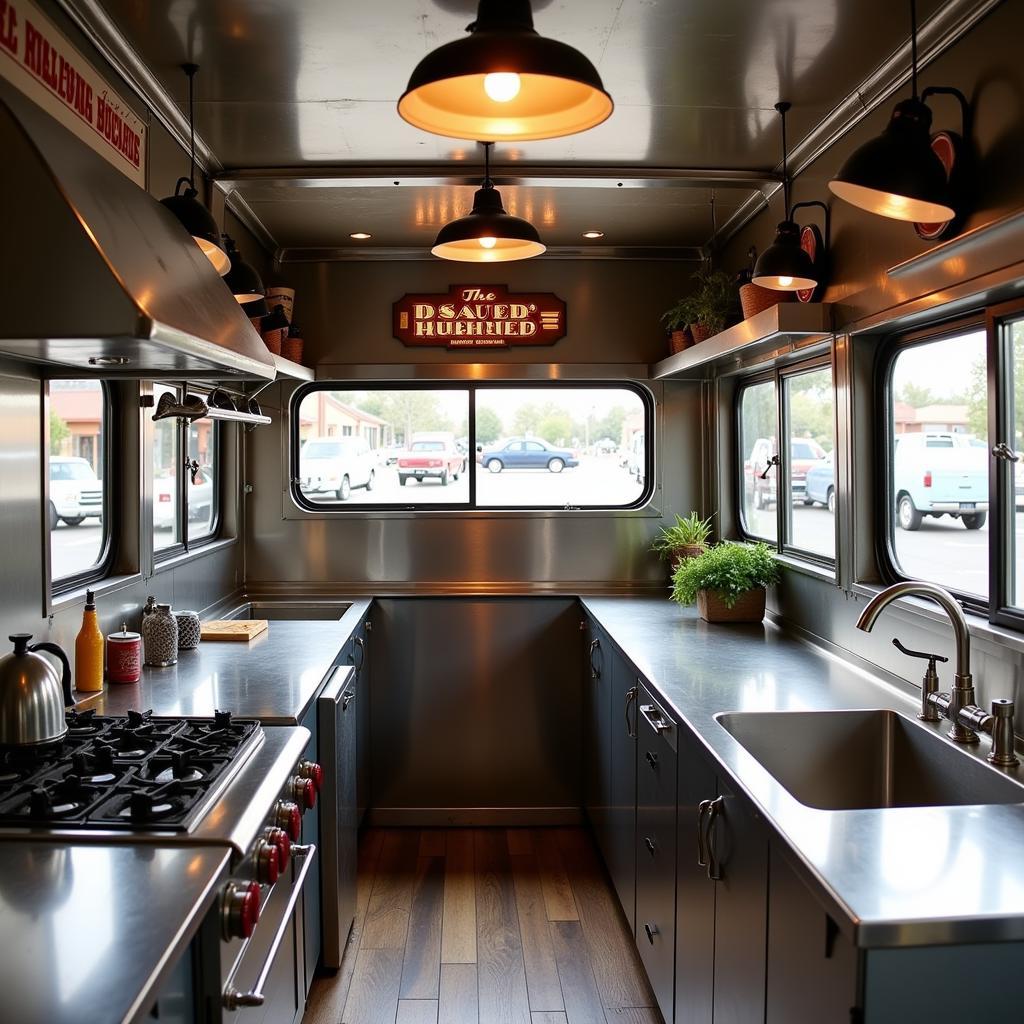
<point x="124" y="657"/>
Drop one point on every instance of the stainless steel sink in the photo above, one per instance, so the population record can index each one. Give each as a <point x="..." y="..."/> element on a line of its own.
<point x="324" y="611"/>
<point x="841" y="760"/>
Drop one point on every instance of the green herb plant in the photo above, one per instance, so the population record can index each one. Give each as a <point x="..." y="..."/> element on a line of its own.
<point x="680" y="316"/>
<point x="689" y="532"/>
<point x="713" y="298"/>
<point x="729" y="569"/>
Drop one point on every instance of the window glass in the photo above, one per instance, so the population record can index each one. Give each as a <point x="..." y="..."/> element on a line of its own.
<point x="810" y="415"/>
<point x="384" y="447"/>
<point x="939" y="463"/>
<point x="166" y="463"/>
<point x="758" y="446"/>
<point x="77" y="443"/>
<point x="1015" y="364"/>
<point x="553" y="447"/>
<point x="203" y="485"/>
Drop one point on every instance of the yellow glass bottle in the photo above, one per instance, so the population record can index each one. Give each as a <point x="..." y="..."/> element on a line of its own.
<point x="89" y="650"/>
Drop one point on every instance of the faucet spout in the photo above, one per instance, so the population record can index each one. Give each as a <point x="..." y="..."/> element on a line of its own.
<point x="941" y="597"/>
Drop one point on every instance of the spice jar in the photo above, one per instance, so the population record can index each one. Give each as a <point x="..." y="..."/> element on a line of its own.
<point x="124" y="656"/>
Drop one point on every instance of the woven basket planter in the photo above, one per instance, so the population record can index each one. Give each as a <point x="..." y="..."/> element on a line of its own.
<point x="700" y="333"/>
<point x="749" y="607"/>
<point x="685" y="553"/>
<point x="680" y="340"/>
<point x="754" y="299"/>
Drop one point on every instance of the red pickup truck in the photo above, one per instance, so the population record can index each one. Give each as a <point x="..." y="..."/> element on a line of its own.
<point x="431" y="455"/>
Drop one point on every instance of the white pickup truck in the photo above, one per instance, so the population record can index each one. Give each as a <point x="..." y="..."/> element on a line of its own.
<point x="939" y="473"/>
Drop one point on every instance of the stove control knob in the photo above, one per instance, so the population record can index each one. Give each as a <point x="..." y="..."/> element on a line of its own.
<point x="239" y="910"/>
<point x="267" y="862"/>
<point x="289" y="817"/>
<point x="312" y="771"/>
<point x="303" y="792"/>
<point x="278" y="838"/>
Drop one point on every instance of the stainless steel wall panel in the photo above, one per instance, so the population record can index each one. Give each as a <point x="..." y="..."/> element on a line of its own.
<point x="475" y="706"/>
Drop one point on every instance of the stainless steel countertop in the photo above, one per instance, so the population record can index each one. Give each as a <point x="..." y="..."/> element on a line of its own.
<point x="273" y="677"/>
<point x="895" y="876"/>
<point x="89" y="933"/>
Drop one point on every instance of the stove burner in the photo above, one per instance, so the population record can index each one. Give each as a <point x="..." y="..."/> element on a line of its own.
<point x="154" y="804"/>
<point x="137" y="719"/>
<point x="181" y="768"/>
<point x="82" y="722"/>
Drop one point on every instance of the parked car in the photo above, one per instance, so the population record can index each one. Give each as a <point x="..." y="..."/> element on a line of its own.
<point x="75" y="492"/>
<point x="431" y="456"/>
<point x="940" y="473"/>
<point x="527" y="453"/>
<point x="200" y="499"/>
<point x="392" y="452"/>
<point x="335" y="465"/>
<point x="636" y="460"/>
<point x="821" y="484"/>
<point x="804" y="453"/>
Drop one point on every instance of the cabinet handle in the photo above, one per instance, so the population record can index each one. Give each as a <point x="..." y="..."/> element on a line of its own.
<point x="358" y="641"/>
<point x="651" y="930"/>
<point x="649" y="843"/>
<point x="715" y="808"/>
<point x="652" y="759"/>
<point x="346" y="698"/>
<point x="595" y="645"/>
<point x="631" y="695"/>
<point x="702" y="857"/>
<point x="658" y="722"/>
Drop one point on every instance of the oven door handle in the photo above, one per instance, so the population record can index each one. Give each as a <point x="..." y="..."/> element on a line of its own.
<point x="232" y="998"/>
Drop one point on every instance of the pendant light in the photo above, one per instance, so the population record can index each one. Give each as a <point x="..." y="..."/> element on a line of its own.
<point x="242" y="278"/>
<point x="196" y="218"/>
<point x="488" y="234"/>
<point x="785" y="266"/>
<point x="505" y="82"/>
<point x="897" y="174"/>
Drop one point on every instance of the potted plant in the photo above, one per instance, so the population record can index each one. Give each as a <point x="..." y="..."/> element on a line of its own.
<point x="727" y="582"/>
<point x="753" y="298"/>
<point x="688" y="538"/>
<point x="677" y="324"/>
<point x="711" y="302"/>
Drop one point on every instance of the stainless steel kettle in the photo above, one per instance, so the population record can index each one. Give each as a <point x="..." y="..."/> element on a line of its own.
<point x="32" y="696"/>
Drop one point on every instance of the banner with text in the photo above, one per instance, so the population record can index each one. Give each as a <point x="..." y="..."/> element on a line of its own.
<point x="39" y="61"/>
<point x="479" y="316"/>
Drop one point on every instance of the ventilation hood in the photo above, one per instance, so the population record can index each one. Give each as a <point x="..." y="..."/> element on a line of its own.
<point x="96" y="276"/>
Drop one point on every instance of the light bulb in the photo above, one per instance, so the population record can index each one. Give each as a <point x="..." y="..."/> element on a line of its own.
<point x="487" y="242"/>
<point x="502" y="86"/>
<point x="785" y="281"/>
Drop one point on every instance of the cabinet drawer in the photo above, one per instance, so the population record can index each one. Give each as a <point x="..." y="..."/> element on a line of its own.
<point x="656" y="848"/>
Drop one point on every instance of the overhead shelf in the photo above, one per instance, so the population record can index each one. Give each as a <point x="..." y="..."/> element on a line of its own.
<point x="785" y="327"/>
<point x="292" y="371"/>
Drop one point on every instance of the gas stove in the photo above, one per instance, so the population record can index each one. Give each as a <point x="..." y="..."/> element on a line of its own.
<point x="136" y="772"/>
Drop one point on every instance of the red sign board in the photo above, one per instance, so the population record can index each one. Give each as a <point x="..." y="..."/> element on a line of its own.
<point x="479" y="316"/>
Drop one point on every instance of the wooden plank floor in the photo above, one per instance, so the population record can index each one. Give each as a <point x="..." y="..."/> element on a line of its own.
<point x="484" y="926"/>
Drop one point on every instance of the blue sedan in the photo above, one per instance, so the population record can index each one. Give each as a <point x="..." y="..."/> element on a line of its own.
<point x="821" y="484"/>
<point x="527" y="453"/>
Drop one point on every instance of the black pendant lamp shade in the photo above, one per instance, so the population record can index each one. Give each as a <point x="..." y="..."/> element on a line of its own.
<point x="898" y="175"/>
<point x="488" y="234"/>
<point x="185" y="205"/>
<point x="243" y="280"/>
<point x="505" y="82"/>
<point x="784" y="266"/>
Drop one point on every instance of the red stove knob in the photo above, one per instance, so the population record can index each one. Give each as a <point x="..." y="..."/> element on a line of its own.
<point x="312" y="771"/>
<point x="278" y="838"/>
<point x="239" y="910"/>
<point x="303" y="793"/>
<point x="289" y="818"/>
<point x="266" y="861"/>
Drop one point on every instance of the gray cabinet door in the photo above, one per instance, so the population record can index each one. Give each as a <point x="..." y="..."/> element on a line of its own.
<point x="597" y="737"/>
<point x="738" y="847"/>
<point x="812" y="965"/>
<point x="695" y="891"/>
<point x="656" y="849"/>
<point x="620" y="855"/>
<point x="358" y="658"/>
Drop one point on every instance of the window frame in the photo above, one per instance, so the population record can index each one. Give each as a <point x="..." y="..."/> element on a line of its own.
<point x="471" y="387"/>
<point x="783" y="543"/>
<point x="885" y="523"/>
<point x="60" y="585"/>
<point x="186" y="545"/>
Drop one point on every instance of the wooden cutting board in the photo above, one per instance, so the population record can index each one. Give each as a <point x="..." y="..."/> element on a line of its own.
<point x="238" y="630"/>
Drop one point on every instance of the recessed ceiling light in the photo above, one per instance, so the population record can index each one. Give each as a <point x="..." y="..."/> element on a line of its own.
<point x="360" y="236"/>
<point x="593" y="234"/>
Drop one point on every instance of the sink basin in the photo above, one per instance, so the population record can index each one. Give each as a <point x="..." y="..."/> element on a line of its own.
<point x="323" y="611"/>
<point x="841" y="760"/>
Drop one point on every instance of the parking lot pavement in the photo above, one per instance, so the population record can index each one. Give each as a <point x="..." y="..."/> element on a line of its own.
<point x="75" y="548"/>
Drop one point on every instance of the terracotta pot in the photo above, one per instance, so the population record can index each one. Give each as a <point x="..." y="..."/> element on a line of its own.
<point x="754" y="299"/>
<point x="680" y="340"/>
<point x="700" y="333"/>
<point x="291" y="348"/>
<point x="685" y="552"/>
<point x="749" y="607"/>
<point x="273" y="339"/>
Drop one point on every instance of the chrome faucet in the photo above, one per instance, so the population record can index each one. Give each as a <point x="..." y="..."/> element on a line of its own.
<point x="957" y="705"/>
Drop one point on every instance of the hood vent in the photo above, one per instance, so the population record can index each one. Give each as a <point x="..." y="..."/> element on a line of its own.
<point x="96" y="277"/>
